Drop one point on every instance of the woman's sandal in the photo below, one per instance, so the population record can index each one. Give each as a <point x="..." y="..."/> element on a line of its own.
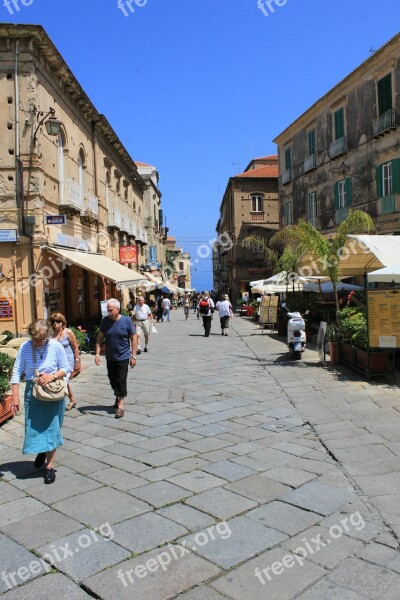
<point x="70" y="406"/>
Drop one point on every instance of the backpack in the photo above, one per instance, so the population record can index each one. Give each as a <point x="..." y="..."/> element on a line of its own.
<point x="204" y="307"/>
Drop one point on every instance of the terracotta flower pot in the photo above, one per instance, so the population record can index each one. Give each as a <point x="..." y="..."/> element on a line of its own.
<point x="5" y="409"/>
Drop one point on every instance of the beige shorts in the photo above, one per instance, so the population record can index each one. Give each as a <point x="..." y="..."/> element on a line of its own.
<point x="143" y="326"/>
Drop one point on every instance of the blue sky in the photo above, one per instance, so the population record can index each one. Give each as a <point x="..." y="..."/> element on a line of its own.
<point x="199" y="87"/>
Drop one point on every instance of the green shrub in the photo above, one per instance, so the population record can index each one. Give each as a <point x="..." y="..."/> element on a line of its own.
<point x="9" y="336"/>
<point x="6" y="367"/>
<point x="81" y="337"/>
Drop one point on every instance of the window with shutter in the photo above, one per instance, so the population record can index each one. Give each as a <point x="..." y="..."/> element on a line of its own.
<point x="385" y="102"/>
<point x="349" y="191"/>
<point x="288" y="158"/>
<point x="339" y="123"/>
<point x="311" y="142"/>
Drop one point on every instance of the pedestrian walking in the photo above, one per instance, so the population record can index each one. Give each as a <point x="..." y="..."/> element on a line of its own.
<point x="43" y="419"/>
<point x="225" y="310"/>
<point x="166" y="303"/>
<point x="159" y="314"/>
<point x="67" y="339"/>
<point x="143" y="319"/>
<point x="186" y="306"/>
<point x="121" y="341"/>
<point x="205" y="309"/>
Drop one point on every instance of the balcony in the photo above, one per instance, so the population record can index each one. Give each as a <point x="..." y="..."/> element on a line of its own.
<point x="90" y="213"/>
<point x="132" y="227"/>
<point x="389" y="204"/>
<point x="340" y="215"/>
<point x="385" y="122"/>
<point x="125" y="223"/>
<point x="114" y="218"/>
<point x="257" y="216"/>
<point x="286" y="176"/>
<point x="338" y="147"/>
<point x="310" y="163"/>
<point x="71" y="198"/>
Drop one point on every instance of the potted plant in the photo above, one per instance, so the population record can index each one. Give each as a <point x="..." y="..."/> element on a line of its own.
<point x="6" y="367"/>
<point x="332" y="335"/>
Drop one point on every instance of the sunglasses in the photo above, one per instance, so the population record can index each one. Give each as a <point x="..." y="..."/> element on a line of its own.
<point x="55" y="321"/>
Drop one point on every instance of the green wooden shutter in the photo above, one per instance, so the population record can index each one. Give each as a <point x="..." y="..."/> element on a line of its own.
<point x="288" y="158"/>
<point x="379" y="181"/>
<point x="336" y="195"/>
<point x="396" y="175"/>
<point x="385" y="94"/>
<point x="339" y="124"/>
<point x="349" y="191"/>
<point x="160" y="217"/>
<point x="311" y="142"/>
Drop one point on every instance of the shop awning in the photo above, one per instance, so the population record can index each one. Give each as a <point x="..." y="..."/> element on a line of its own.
<point x="153" y="278"/>
<point x="101" y="265"/>
<point x="385" y="275"/>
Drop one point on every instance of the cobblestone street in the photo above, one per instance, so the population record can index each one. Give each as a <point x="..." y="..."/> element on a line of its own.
<point x="234" y="474"/>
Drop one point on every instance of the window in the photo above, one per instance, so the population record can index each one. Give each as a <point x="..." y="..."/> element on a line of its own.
<point x="343" y="193"/>
<point x="339" y="123"/>
<point x="288" y="158"/>
<point x="312" y="206"/>
<point x="257" y="203"/>
<point x="387" y="180"/>
<point x="311" y="142"/>
<point x="385" y="100"/>
<point x="181" y="266"/>
<point x="288" y="213"/>
<point x="81" y="165"/>
<point x="108" y="191"/>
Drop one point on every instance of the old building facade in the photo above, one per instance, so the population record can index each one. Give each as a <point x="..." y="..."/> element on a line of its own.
<point x="73" y="205"/>
<point x="178" y="265"/>
<point x="343" y="152"/>
<point x="249" y="208"/>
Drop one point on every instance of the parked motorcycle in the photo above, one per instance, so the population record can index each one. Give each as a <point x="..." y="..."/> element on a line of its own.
<point x="296" y="333"/>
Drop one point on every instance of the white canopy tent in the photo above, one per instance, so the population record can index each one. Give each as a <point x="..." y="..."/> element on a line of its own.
<point x="385" y="275"/>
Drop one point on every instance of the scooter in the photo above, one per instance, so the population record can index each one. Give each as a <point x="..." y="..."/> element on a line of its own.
<point x="296" y="334"/>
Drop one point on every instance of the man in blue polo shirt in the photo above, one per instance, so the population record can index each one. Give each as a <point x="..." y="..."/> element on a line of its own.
<point x="121" y="340"/>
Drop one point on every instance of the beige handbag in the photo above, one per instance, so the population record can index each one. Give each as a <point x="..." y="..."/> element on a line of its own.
<point x="52" y="392"/>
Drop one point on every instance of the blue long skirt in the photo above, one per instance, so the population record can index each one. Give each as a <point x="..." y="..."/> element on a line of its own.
<point x="43" y="422"/>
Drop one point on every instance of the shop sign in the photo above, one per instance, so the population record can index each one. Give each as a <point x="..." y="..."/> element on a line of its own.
<point x="8" y="235"/>
<point x="6" y="309"/>
<point x="55" y="220"/>
<point x="127" y="254"/>
<point x="72" y="242"/>
<point x="153" y="253"/>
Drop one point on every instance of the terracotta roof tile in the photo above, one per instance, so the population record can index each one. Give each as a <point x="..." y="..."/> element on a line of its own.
<point x="267" y="171"/>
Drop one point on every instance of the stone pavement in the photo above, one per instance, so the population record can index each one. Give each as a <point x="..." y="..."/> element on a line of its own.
<point x="235" y="473"/>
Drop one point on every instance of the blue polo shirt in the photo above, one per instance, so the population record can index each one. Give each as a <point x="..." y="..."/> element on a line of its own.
<point x="117" y="336"/>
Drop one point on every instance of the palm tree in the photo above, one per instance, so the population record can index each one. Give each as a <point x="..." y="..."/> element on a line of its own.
<point x="327" y="250"/>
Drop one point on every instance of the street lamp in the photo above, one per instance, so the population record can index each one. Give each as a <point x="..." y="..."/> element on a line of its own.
<point x="50" y="121"/>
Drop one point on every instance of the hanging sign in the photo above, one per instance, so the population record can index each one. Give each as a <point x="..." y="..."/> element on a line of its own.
<point x="55" y="219"/>
<point x="127" y="254"/>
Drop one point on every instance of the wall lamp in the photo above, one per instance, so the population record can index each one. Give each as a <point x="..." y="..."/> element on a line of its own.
<point x="50" y="121"/>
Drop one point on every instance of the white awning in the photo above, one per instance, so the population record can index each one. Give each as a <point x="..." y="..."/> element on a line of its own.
<point x="101" y="265"/>
<point x="386" y="275"/>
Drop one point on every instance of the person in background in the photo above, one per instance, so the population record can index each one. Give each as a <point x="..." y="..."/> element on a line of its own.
<point x="159" y="314"/>
<point x="67" y="339"/>
<point x="121" y="340"/>
<point x="43" y="420"/>
<point x="166" y="303"/>
<point x="224" y="308"/>
<point x="143" y="319"/>
<point x="205" y="309"/>
<point x="186" y="306"/>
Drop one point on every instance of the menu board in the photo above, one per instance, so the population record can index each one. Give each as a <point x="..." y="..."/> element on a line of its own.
<point x="268" y="310"/>
<point x="6" y="309"/>
<point x="384" y="318"/>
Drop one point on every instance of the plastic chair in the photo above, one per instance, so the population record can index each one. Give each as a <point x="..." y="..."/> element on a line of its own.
<point x="16" y="342"/>
<point x="9" y="351"/>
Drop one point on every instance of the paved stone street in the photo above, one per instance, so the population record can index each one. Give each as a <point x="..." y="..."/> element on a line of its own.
<point x="235" y="473"/>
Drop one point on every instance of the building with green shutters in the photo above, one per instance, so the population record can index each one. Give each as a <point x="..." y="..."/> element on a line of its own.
<point x="344" y="151"/>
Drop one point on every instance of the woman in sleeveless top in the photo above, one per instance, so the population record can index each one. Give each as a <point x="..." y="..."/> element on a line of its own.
<point x="67" y="339"/>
